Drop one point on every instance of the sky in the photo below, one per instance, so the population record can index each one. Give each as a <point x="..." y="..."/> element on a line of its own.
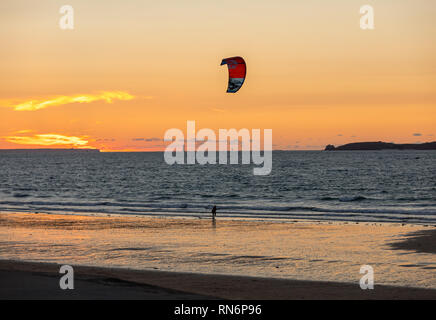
<point x="130" y="70"/>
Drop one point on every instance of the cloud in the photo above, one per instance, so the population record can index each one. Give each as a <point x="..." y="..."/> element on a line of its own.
<point x="49" y="139"/>
<point x="33" y="105"/>
<point x="147" y="139"/>
<point x="417" y="134"/>
<point x="22" y="131"/>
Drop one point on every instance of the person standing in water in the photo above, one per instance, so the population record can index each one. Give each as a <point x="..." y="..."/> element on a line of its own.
<point x="214" y="212"/>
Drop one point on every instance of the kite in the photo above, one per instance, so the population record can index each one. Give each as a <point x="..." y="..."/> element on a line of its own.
<point x="237" y="72"/>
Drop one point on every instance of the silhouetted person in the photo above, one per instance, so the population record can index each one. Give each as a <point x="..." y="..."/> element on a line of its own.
<point x="214" y="212"/>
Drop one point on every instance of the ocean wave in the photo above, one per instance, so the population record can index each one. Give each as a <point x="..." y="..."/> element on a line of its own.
<point x="21" y="195"/>
<point x="235" y="209"/>
<point x="332" y="216"/>
<point x="351" y="199"/>
<point x="346" y="199"/>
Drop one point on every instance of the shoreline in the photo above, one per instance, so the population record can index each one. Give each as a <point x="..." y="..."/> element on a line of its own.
<point x="196" y="216"/>
<point x="117" y="283"/>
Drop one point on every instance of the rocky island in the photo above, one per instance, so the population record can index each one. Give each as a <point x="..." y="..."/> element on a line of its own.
<point x="382" y="146"/>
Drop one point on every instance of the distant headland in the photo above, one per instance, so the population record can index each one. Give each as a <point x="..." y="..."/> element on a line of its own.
<point x="52" y="150"/>
<point x="382" y="146"/>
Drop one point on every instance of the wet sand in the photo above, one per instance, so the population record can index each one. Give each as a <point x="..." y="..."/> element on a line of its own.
<point x="25" y="280"/>
<point x="421" y="241"/>
<point x="165" y="258"/>
<point x="41" y="282"/>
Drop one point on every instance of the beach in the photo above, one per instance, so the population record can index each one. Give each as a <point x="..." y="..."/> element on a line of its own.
<point x="27" y="280"/>
<point x="138" y="257"/>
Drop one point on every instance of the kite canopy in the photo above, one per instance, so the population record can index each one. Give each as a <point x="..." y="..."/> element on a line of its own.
<point x="237" y="72"/>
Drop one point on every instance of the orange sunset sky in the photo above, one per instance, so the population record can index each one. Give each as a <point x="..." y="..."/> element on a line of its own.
<point x="132" y="69"/>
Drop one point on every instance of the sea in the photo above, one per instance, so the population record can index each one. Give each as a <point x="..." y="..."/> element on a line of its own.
<point x="355" y="186"/>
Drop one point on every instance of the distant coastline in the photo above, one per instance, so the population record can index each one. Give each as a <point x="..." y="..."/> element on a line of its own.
<point x="52" y="150"/>
<point x="362" y="146"/>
